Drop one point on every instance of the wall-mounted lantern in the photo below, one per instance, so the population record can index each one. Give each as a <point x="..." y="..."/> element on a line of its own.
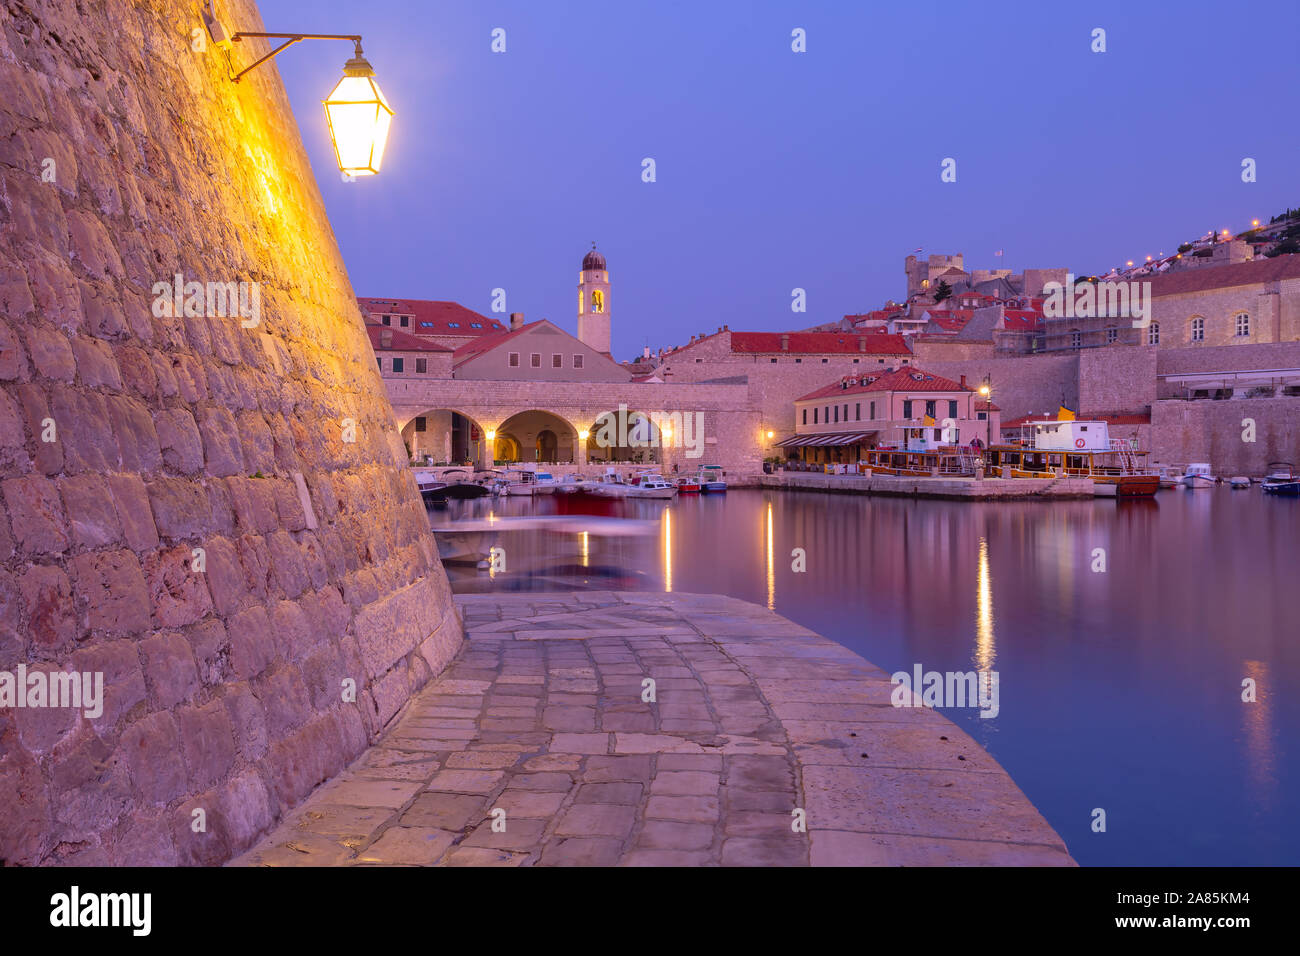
<point x="358" y="115"/>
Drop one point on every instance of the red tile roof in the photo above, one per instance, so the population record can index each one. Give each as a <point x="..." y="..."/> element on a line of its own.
<point x="399" y="341"/>
<point x="909" y="378"/>
<point x="1203" y="278"/>
<point x="487" y="342"/>
<point x="1021" y="320"/>
<point x="433" y="317"/>
<point x="814" y="343"/>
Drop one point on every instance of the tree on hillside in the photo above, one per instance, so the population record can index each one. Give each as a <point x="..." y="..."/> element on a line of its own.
<point x="943" y="292"/>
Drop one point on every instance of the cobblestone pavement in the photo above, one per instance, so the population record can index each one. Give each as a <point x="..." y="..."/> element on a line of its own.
<point x="536" y="747"/>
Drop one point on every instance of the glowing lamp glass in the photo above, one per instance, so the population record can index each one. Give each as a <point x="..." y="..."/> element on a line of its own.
<point x="359" y="118"/>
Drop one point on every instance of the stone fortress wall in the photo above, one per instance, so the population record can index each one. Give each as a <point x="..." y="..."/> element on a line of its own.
<point x="216" y="518"/>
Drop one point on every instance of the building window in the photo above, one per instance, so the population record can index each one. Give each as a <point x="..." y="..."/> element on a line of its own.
<point x="837" y="414"/>
<point x="426" y="325"/>
<point x="798" y="361"/>
<point x="698" y="361"/>
<point x="380" y="360"/>
<point x="453" y="325"/>
<point x="1198" y="329"/>
<point x="577" y="361"/>
<point x="1153" y="334"/>
<point x="952" y="409"/>
<point x="406" y="321"/>
<point x="846" y="411"/>
<point x="514" y="359"/>
<point x="421" y="366"/>
<point x="1112" y="336"/>
<point x="387" y="320"/>
<point x="815" y="413"/>
<point x="1076" y="338"/>
<point x="419" y="423"/>
<point x="930" y="408"/>
<point x="476" y="325"/>
<point x="859" y="412"/>
<point x="773" y="361"/>
<point x="805" y="416"/>
<point x="981" y="416"/>
<point x="824" y="361"/>
<point x="856" y="361"/>
<point x="907" y="409"/>
<point x="557" y="360"/>
<point x="1243" y="324"/>
<point x="873" y="411"/>
<point x="535" y="359"/>
<point x="399" y="365"/>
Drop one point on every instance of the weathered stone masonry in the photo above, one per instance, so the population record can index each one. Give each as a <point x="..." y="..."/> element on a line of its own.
<point x="126" y="158"/>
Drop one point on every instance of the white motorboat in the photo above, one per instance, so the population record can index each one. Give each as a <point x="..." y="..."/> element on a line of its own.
<point x="521" y="483"/>
<point x="572" y="485"/>
<point x="711" y="481"/>
<point x="1198" y="476"/>
<point x="544" y="483"/>
<point x="651" y="486"/>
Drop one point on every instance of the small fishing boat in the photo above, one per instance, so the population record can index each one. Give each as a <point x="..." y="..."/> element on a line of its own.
<point x="520" y="483"/>
<point x="651" y="486"/>
<point x="711" y="479"/>
<point x="572" y="485"/>
<point x="1238" y="481"/>
<point x="430" y="486"/>
<point x="455" y="484"/>
<point x="1282" y="479"/>
<point x="609" y="486"/>
<point x="688" y="486"/>
<point x="1198" y="476"/>
<point x="544" y="483"/>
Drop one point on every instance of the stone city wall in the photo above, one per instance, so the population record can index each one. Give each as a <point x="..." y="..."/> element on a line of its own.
<point x="1216" y="432"/>
<point x="210" y="512"/>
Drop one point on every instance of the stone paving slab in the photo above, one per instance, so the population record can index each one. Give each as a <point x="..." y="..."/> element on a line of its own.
<point x="535" y="747"/>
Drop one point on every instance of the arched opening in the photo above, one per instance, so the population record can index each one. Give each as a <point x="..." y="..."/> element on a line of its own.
<point x="443" y="436"/>
<point x="626" y="436"/>
<point x="536" y="436"/>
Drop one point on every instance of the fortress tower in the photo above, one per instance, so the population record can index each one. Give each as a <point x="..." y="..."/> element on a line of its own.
<point x="593" y="302"/>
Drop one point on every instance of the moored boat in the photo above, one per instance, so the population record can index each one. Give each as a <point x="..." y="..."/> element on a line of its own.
<point x="1198" y="476"/>
<point x="1077" y="449"/>
<point x="651" y="486"/>
<point x="1282" y="479"/>
<point x="688" y="486"/>
<point x="1238" y="481"/>
<point x="711" y="481"/>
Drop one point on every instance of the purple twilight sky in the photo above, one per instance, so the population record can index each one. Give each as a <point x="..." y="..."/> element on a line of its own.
<point x="777" y="169"/>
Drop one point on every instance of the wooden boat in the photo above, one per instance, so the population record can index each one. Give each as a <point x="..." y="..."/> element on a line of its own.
<point x="688" y="486"/>
<point x="946" y="460"/>
<point x="1282" y="479"/>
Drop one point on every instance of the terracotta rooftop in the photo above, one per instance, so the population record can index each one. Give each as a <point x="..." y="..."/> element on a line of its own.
<point x="906" y="379"/>
<point x="814" y="343"/>
<point x="1200" y="279"/>
<point x="433" y="317"/>
<point x="399" y="341"/>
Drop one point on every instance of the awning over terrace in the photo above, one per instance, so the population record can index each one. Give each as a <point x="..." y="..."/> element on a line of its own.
<point x="832" y="438"/>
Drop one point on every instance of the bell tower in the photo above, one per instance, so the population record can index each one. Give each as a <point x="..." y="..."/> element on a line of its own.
<point x="593" y="302"/>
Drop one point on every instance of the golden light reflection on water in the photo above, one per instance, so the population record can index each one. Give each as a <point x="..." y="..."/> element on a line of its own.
<point x="771" y="562"/>
<point x="1257" y="725"/>
<point x="586" y="548"/>
<point x="668" y="549"/>
<point x="985" y="652"/>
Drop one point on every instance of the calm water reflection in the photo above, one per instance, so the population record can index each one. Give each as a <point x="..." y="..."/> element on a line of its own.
<point x="1119" y="689"/>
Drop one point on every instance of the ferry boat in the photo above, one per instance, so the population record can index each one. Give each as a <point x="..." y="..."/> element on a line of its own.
<point x="1198" y="476"/>
<point x="1282" y="479"/>
<point x="711" y="479"/>
<point x="1077" y="449"/>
